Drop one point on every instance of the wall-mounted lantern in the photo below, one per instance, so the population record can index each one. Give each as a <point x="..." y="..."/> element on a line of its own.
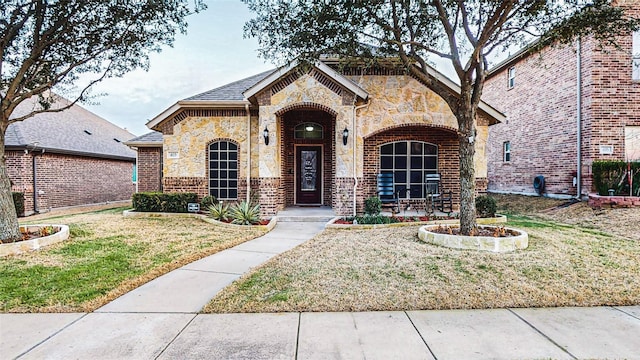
<point x="345" y="136"/>
<point x="265" y="134"/>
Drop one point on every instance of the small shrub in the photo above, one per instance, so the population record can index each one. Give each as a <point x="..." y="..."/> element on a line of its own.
<point x="486" y="206"/>
<point x="245" y="213"/>
<point x="374" y="219"/>
<point x="207" y="201"/>
<point x="219" y="211"/>
<point x="372" y="206"/>
<point x="18" y="201"/>
<point x="163" y="202"/>
<point x="613" y="175"/>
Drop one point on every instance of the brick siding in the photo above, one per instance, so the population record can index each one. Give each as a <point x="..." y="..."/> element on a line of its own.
<point x="448" y="160"/>
<point x="541" y="115"/>
<point x="67" y="180"/>
<point x="149" y="169"/>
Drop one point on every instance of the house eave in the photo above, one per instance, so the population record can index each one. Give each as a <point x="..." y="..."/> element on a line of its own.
<point x="184" y="104"/>
<point x="69" y="152"/>
<point x="483" y="106"/>
<point x="143" y="144"/>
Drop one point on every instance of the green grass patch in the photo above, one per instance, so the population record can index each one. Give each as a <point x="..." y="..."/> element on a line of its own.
<point x="95" y="271"/>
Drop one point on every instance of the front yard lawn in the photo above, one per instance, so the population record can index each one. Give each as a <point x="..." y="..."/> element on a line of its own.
<point x="390" y="269"/>
<point x="106" y="256"/>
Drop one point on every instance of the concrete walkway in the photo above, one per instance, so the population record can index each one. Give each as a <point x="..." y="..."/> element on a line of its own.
<point x="160" y="320"/>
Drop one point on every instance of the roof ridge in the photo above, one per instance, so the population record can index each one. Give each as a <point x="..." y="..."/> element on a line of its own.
<point x="193" y="97"/>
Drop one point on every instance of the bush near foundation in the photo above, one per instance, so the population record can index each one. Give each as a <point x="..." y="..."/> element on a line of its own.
<point x="18" y="201"/>
<point x="163" y="202"/>
<point x="613" y="175"/>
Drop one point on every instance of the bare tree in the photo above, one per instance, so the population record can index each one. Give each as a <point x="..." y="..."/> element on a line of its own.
<point x="464" y="32"/>
<point x="48" y="44"/>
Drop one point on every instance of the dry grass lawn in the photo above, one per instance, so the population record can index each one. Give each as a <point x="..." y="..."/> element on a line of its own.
<point x="576" y="257"/>
<point x="107" y="256"/>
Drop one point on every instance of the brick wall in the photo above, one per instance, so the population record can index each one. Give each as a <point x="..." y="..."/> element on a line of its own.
<point x="540" y="125"/>
<point x="149" y="169"/>
<point x="448" y="161"/>
<point x="541" y="115"/>
<point x="196" y="185"/>
<point x="67" y="180"/>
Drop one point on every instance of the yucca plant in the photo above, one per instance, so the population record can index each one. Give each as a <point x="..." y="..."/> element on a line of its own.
<point x="219" y="211"/>
<point x="245" y="213"/>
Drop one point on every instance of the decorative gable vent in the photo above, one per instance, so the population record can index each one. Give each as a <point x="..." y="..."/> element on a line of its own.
<point x="326" y="81"/>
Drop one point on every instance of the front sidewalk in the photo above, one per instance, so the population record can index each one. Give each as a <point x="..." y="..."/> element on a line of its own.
<point x="557" y="333"/>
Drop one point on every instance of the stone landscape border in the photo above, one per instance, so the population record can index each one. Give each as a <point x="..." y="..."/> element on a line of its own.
<point x="498" y="219"/>
<point x="479" y="243"/>
<point x="131" y="213"/>
<point x="20" y="247"/>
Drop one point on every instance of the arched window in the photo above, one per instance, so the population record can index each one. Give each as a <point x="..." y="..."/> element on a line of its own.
<point x="308" y="131"/>
<point x="409" y="161"/>
<point x="223" y="170"/>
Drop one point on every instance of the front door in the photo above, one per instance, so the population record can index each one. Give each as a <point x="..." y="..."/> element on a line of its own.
<point x="308" y="175"/>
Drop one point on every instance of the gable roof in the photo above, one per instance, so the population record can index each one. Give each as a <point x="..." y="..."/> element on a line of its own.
<point x="229" y="95"/>
<point x="75" y="131"/>
<point x="236" y="94"/>
<point x="150" y="139"/>
<point x="232" y="91"/>
<point x="333" y="74"/>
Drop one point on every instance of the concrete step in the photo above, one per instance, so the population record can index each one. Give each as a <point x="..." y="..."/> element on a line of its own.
<point x="305" y="218"/>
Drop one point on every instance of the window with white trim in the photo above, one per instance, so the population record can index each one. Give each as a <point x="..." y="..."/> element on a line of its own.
<point x="506" y="151"/>
<point x="409" y="161"/>
<point x="635" y="75"/>
<point x="511" y="81"/>
<point x="223" y="170"/>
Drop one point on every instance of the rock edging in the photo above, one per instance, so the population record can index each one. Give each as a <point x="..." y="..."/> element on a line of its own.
<point x="20" y="247"/>
<point x="498" y="219"/>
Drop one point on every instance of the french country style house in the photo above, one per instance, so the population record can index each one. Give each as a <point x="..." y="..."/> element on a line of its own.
<point x="310" y="136"/>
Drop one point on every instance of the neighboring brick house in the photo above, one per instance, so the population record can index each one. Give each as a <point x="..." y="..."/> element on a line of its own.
<point x="68" y="158"/>
<point x="310" y="137"/>
<point x="540" y="93"/>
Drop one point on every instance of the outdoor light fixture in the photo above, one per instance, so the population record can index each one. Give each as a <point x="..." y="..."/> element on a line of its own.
<point x="309" y="127"/>
<point x="345" y="136"/>
<point x="265" y="134"/>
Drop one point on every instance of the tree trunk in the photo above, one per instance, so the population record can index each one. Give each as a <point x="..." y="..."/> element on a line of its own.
<point x="467" y="142"/>
<point x="9" y="228"/>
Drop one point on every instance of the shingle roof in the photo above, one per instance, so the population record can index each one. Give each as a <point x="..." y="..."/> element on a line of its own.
<point x="232" y="91"/>
<point x="72" y="131"/>
<point x="153" y="136"/>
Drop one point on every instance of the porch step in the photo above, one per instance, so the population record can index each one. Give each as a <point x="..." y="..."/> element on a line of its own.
<point x="304" y="218"/>
<point x="306" y="214"/>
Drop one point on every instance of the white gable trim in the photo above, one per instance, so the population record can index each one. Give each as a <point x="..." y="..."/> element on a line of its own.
<point x="324" y="68"/>
<point x="490" y="110"/>
<point x="182" y="104"/>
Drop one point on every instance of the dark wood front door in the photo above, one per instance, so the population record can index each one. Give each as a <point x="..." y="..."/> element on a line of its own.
<point x="309" y="175"/>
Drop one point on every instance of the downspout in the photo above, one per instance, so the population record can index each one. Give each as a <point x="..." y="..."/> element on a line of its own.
<point x="579" y="120"/>
<point x="34" y="168"/>
<point x="136" y="170"/>
<point x="246" y="108"/>
<point x="354" y="138"/>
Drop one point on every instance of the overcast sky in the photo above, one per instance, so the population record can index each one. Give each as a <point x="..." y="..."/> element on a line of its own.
<point x="213" y="53"/>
